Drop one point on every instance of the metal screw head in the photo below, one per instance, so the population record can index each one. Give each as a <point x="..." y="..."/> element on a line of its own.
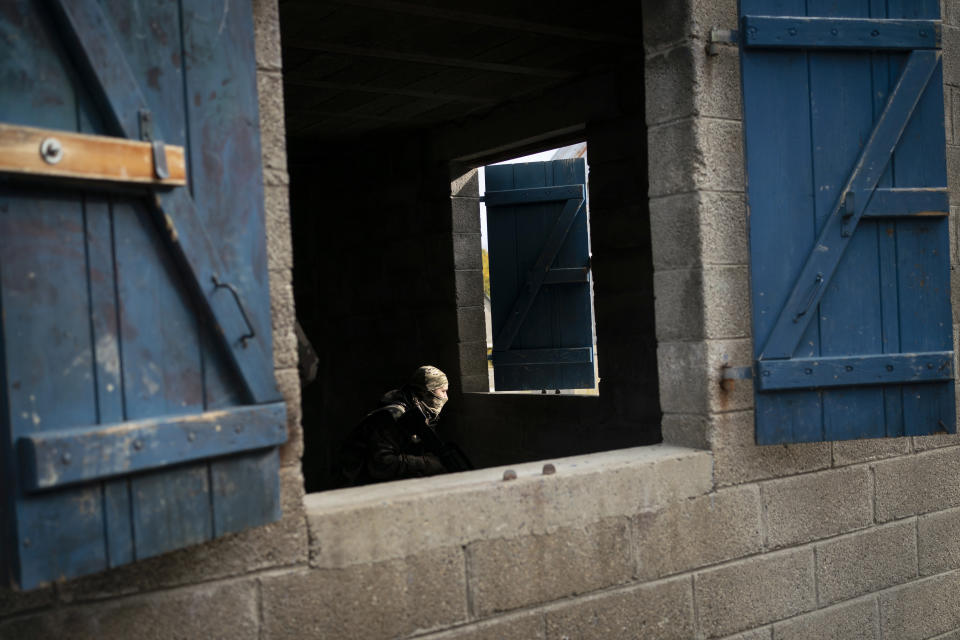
<point x="138" y="444"/>
<point x="792" y="31"/>
<point x="808" y="371"/>
<point x="191" y="436"/>
<point x="51" y="150"/>
<point x="889" y="367"/>
<point x="66" y="457"/>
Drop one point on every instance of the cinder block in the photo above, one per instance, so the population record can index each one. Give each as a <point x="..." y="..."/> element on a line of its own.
<point x="282" y="311"/>
<point x="953" y="168"/>
<point x="686" y="430"/>
<point x="281" y="543"/>
<point x="467" y="185"/>
<point x="675" y="158"/>
<point x="763" y="633"/>
<point x="753" y="592"/>
<point x="738" y="459"/>
<point x="950" y="108"/>
<point x="522" y="626"/>
<point x="626" y="226"/>
<point x="938" y="543"/>
<point x="469" y="288"/>
<point x="708" y="14"/>
<point x="665" y="23"/>
<point x="921" y="609"/>
<point x="670" y="83"/>
<point x="273" y="139"/>
<point x="366" y="602"/>
<point x="471" y="325"/>
<point x="853" y="451"/>
<point x="917" y="484"/>
<point x="866" y="561"/>
<point x="718" y="78"/>
<point x="936" y="441"/>
<point x="284" y="348"/>
<point x="466" y="251"/>
<point x="695" y="533"/>
<point x="266" y="33"/>
<point x="683" y="377"/>
<point x="721" y="143"/>
<point x="473" y="357"/>
<point x="739" y="394"/>
<point x="723" y="228"/>
<point x="226" y="611"/>
<point x="518" y="572"/>
<point x="477" y="383"/>
<point x="279" y="243"/>
<point x="12" y="602"/>
<point x="855" y="620"/>
<point x="662" y="610"/>
<point x="392" y="516"/>
<point x="951" y="55"/>
<point x="675" y="231"/>
<point x="950" y="12"/>
<point x="816" y="505"/>
<point x="679" y="304"/>
<point x="466" y="215"/>
<point x="726" y="302"/>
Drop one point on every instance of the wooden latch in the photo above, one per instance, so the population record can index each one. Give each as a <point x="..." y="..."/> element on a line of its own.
<point x="29" y="151"/>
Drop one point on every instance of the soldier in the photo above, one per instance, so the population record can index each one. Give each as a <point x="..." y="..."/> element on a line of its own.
<point x="398" y="439"/>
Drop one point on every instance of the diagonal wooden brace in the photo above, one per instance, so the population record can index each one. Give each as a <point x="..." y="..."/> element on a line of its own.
<point x="538" y="273"/>
<point x="93" y="44"/>
<point x="833" y="241"/>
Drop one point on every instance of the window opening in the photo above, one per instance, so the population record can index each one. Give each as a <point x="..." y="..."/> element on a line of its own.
<point x="561" y="323"/>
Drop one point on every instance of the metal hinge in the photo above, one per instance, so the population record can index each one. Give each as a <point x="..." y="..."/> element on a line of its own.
<point x="159" y="151"/>
<point x="729" y="375"/>
<point x="721" y="36"/>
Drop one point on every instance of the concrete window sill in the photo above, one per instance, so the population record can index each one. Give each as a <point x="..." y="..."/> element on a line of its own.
<point x="399" y="519"/>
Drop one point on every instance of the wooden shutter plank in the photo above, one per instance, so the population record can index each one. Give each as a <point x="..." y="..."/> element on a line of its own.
<point x="222" y="109"/>
<point x="101" y="451"/>
<point x="849" y="312"/>
<point x="922" y="246"/>
<point x="171" y="510"/>
<point x="782" y="93"/>
<point x="537" y="273"/>
<point x="841" y="371"/>
<point x="245" y="491"/>
<point x="884" y="79"/>
<point x="839" y="33"/>
<point x="532" y="195"/>
<point x="897" y="203"/>
<point x="831" y="243"/>
<point x="92" y="39"/>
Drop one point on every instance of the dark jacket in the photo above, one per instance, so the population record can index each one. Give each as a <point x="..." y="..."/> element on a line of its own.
<point x="392" y="442"/>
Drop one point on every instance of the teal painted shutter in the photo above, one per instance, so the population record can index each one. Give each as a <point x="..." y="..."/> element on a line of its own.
<point x="540" y="275"/>
<point x="849" y="245"/>
<point x="139" y="409"/>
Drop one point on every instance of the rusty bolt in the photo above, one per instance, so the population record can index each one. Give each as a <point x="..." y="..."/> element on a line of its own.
<point x="509" y="474"/>
<point x="549" y="469"/>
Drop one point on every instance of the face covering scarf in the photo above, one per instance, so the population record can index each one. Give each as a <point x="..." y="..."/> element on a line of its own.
<point x="425" y="384"/>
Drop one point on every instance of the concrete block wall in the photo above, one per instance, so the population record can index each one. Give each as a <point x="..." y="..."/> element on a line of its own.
<point x="708" y="536"/>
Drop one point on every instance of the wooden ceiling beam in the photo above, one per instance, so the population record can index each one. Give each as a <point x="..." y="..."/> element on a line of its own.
<point x="487" y="20"/>
<point x="380" y="90"/>
<point x="418" y="58"/>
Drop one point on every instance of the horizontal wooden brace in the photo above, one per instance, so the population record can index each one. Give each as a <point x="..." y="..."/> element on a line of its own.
<point x="818" y="373"/>
<point x="517" y="357"/>
<point x="840" y="33"/>
<point x="55" y="458"/>
<point x="530" y="196"/>
<point x="894" y="203"/>
<point x="29" y="151"/>
<point x="566" y="275"/>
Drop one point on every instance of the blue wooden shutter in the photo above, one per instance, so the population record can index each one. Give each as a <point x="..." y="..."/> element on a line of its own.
<point x="539" y="275"/>
<point x="845" y="153"/>
<point x="139" y="410"/>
